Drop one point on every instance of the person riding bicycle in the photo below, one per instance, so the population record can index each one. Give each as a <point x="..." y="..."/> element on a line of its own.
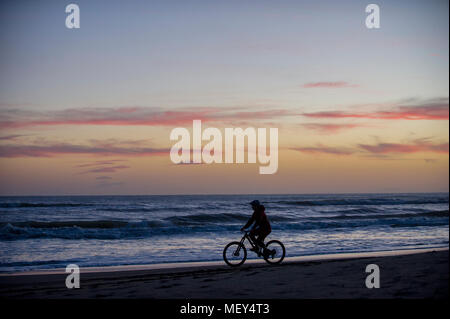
<point x="262" y="225"/>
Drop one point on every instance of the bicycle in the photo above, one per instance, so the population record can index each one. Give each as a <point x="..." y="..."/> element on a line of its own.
<point x="235" y="252"/>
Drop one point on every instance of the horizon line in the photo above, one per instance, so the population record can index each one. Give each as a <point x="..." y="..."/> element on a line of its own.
<point x="230" y="194"/>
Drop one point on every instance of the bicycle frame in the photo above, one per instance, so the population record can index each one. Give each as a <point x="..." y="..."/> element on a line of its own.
<point x="247" y="236"/>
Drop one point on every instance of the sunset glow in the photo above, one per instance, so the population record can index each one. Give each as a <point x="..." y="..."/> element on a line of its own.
<point x="357" y="110"/>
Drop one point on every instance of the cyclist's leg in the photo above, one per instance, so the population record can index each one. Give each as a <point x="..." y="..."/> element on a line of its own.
<point x="253" y="233"/>
<point x="260" y="240"/>
<point x="262" y="235"/>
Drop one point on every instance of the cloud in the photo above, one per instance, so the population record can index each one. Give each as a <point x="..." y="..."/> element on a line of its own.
<point x="379" y="150"/>
<point x="437" y="109"/>
<point x="10" y="137"/>
<point x="17" y="118"/>
<point x="55" y="149"/>
<point x="101" y="167"/>
<point x="330" y="128"/>
<point x="324" y="150"/>
<point x="334" y="85"/>
<point x="418" y="146"/>
<point x="109" y="169"/>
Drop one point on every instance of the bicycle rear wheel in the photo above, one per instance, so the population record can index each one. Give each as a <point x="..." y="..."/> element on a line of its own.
<point x="234" y="254"/>
<point x="277" y="252"/>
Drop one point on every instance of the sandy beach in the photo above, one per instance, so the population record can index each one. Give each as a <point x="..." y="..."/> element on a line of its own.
<point x="403" y="275"/>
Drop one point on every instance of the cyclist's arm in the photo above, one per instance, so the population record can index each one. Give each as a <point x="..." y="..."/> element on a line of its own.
<point x="250" y="221"/>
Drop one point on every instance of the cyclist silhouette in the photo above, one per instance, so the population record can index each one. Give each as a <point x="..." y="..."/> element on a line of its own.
<point x="262" y="225"/>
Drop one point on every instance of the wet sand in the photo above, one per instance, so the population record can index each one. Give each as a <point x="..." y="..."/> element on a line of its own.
<point x="402" y="275"/>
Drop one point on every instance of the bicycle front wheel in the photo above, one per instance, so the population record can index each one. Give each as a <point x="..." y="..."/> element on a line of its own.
<point x="277" y="252"/>
<point x="234" y="254"/>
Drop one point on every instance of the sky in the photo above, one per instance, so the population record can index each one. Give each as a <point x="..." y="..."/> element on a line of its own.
<point x="89" y="111"/>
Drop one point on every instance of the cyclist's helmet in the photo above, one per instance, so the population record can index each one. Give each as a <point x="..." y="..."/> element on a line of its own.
<point x="255" y="203"/>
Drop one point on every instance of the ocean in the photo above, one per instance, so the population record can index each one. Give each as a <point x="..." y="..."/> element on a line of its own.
<point x="52" y="232"/>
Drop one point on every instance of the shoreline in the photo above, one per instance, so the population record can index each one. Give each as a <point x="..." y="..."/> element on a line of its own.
<point x="214" y="264"/>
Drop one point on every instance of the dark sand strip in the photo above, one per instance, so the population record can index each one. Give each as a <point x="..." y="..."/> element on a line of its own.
<point x="420" y="275"/>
